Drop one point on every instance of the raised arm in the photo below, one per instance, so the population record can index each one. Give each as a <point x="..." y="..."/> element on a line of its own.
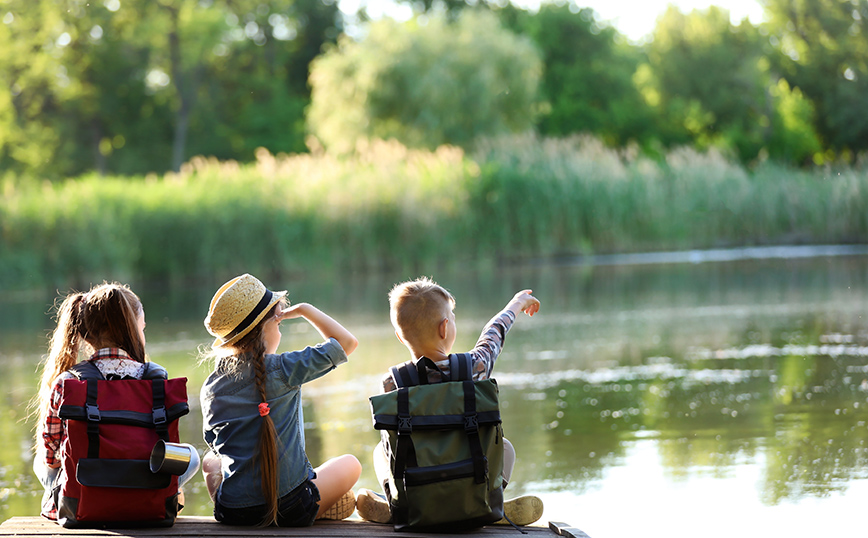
<point x="322" y="322"/>
<point x="523" y="301"/>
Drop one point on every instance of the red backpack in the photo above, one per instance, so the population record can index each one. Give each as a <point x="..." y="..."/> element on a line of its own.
<point x="111" y="427"/>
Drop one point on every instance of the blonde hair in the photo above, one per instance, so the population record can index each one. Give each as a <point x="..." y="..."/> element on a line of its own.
<point x="105" y="316"/>
<point x="229" y="359"/>
<point x="417" y="307"/>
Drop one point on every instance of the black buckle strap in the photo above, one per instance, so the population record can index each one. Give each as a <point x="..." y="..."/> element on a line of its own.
<point x="92" y="412"/>
<point x="405" y="426"/>
<point x="159" y="415"/>
<point x="471" y="427"/>
<point x="471" y="424"/>
<point x="161" y="423"/>
<point x="93" y="418"/>
<point x="405" y="452"/>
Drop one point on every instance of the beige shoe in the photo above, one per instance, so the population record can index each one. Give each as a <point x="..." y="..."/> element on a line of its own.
<point x="373" y="506"/>
<point x="522" y="510"/>
<point x="342" y="509"/>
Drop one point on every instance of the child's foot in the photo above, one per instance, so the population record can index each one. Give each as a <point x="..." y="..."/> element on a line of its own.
<point x="373" y="506"/>
<point x="522" y="510"/>
<point x="342" y="509"/>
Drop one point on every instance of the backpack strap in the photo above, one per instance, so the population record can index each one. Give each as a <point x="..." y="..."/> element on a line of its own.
<point x="88" y="372"/>
<point x="412" y="373"/>
<point x="405" y="452"/>
<point x="460" y="369"/>
<point x="460" y="366"/>
<point x="161" y="423"/>
<point x="405" y="375"/>
<point x="154" y="371"/>
<point x="423" y="366"/>
<point x="85" y="370"/>
<point x="471" y="428"/>
<point x="93" y="417"/>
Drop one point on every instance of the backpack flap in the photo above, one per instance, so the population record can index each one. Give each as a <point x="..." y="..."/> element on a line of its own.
<point x="437" y="406"/>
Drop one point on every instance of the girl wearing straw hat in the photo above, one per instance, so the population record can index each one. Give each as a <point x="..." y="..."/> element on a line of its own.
<point x="257" y="471"/>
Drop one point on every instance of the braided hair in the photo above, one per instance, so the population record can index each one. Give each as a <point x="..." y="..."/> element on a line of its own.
<point x="230" y="360"/>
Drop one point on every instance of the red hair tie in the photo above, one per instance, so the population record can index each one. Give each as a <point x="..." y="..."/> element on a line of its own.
<point x="264" y="409"/>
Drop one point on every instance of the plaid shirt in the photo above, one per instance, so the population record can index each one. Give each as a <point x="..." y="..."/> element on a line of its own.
<point x="484" y="354"/>
<point x="110" y="361"/>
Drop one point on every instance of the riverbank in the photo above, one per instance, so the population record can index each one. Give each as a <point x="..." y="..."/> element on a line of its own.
<point x="389" y="207"/>
<point x="774" y="252"/>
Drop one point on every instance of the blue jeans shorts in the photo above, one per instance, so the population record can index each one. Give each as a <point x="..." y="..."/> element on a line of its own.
<point x="298" y="508"/>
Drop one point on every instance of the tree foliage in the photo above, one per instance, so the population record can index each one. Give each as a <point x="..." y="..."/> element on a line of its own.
<point x="134" y="86"/>
<point x="824" y="53"/>
<point x="137" y="86"/>
<point x="713" y="85"/>
<point x="427" y="82"/>
<point x="587" y="83"/>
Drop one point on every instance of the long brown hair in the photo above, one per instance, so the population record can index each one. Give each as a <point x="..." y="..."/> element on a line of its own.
<point x="105" y="316"/>
<point x="250" y="349"/>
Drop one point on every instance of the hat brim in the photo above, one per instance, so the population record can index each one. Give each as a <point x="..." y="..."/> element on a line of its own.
<point x="275" y="298"/>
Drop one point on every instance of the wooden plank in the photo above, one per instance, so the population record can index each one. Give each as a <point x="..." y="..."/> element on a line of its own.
<point x="566" y="530"/>
<point x="187" y="526"/>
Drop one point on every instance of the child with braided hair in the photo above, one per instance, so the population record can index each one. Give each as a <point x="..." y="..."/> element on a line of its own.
<point x="257" y="471"/>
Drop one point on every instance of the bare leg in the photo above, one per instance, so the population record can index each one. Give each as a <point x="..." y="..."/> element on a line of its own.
<point x="334" y="478"/>
<point x="508" y="459"/>
<point x="522" y="510"/>
<point x="212" y="472"/>
<point x="381" y="464"/>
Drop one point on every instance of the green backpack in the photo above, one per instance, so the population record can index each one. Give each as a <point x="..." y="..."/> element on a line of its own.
<point x="445" y="447"/>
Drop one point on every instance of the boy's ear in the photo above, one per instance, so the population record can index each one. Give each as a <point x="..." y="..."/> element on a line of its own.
<point x="441" y="329"/>
<point x="398" y="336"/>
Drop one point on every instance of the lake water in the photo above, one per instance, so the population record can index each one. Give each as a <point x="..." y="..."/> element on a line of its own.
<point x="681" y="399"/>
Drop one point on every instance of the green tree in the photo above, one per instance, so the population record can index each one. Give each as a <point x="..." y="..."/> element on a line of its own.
<point x="30" y="81"/>
<point x="587" y="84"/>
<point x="708" y="77"/>
<point x="105" y="62"/>
<point x="427" y="82"/>
<point x="256" y="88"/>
<point x="714" y="84"/>
<point x="135" y="86"/>
<point x="824" y="53"/>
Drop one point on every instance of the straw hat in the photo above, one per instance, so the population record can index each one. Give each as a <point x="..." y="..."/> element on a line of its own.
<point x="237" y="307"/>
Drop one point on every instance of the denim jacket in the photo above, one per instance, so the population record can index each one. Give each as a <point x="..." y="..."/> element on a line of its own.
<point x="231" y="420"/>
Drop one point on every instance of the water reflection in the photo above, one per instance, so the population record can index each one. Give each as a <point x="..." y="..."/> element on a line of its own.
<point x="749" y="376"/>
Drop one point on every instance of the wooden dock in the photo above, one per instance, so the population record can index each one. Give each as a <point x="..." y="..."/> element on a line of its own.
<point x="206" y="526"/>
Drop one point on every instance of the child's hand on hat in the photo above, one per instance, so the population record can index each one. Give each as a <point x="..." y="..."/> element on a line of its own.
<point x="523" y="301"/>
<point x="292" y="311"/>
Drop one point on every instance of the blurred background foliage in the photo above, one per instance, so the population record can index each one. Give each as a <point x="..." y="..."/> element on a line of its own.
<point x="138" y="86"/>
<point x="173" y="139"/>
<point x="441" y="82"/>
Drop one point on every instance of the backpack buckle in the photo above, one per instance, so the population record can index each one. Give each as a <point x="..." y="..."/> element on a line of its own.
<point x="471" y="423"/>
<point x="404" y="425"/>
<point x="92" y="412"/>
<point x="159" y="415"/>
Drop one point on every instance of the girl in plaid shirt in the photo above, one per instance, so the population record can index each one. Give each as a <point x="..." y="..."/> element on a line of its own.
<point x="108" y="324"/>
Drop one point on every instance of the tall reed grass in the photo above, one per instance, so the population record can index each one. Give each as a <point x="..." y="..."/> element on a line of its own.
<point x="387" y="206"/>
